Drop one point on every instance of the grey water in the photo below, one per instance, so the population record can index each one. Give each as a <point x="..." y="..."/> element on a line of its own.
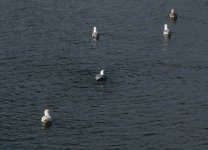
<point x="156" y="93"/>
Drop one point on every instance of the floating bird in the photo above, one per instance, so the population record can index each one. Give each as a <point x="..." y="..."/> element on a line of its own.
<point x="46" y="119"/>
<point x="173" y="15"/>
<point x="101" y="76"/>
<point x="166" y="31"/>
<point x="95" y="34"/>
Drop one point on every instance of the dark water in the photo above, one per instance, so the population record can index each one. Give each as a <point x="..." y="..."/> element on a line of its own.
<point x="155" y="96"/>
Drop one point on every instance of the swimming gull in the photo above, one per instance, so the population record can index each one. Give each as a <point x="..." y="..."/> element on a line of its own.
<point x="46" y="119"/>
<point x="95" y="34"/>
<point x="101" y="76"/>
<point x="166" y="31"/>
<point x="173" y="14"/>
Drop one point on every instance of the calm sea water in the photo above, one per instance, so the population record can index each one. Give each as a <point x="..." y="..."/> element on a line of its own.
<point x="155" y="96"/>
